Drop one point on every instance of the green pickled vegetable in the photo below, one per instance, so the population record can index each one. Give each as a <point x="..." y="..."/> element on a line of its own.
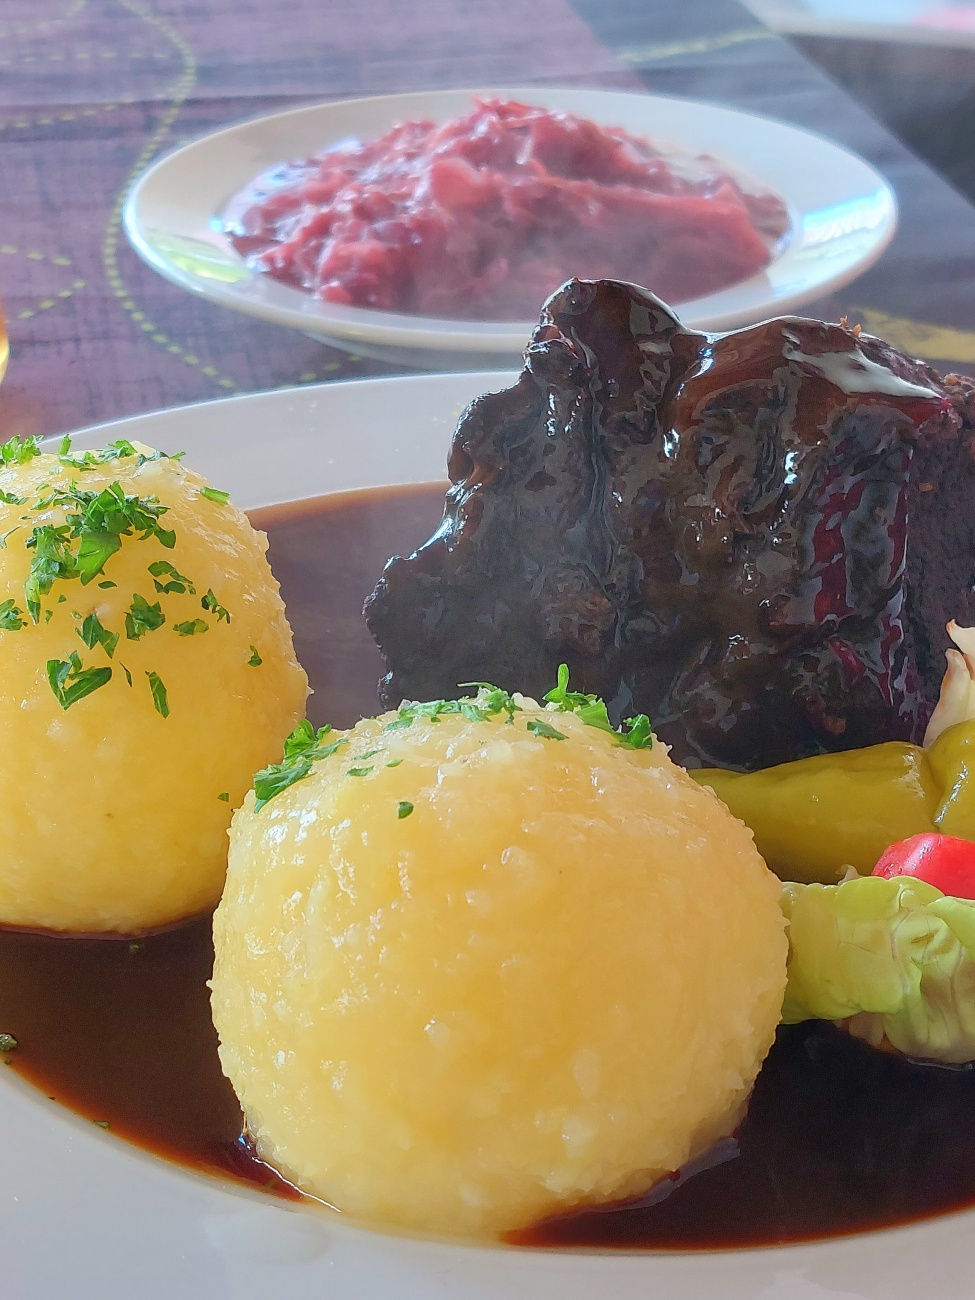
<point x="894" y="960"/>
<point x="815" y="818"/>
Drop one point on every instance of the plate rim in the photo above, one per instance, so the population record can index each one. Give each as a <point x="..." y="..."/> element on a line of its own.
<point x="300" y="310"/>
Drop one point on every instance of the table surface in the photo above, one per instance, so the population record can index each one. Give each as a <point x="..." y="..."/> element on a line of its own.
<point x="93" y="90"/>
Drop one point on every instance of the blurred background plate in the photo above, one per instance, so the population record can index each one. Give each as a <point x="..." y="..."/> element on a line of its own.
<point x="842" y="215"/>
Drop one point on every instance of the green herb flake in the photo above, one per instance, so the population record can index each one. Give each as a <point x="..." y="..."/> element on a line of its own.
<point x="303" y="747"/>
<point x="95" y="458"/>
<point x="255" y="660"/>
<point x="358" y="771"/>
<point x="19" y="451"/>
<point x="9" y="499"/>
<point x="214" y="494"/>
<point x="52" y="560"/>
<point x="178" y="582"/>
<point x="71" y="682"/>
<point x="107" y="583"/>
<point x="160" y="698"/>
<point x="394" y="762"/>
<point x="225" y="797"/>
<point x="538" y="727"/>
<point x="95" y="523"/>
<point x="403" y="809"/>
<point x="128" y="675"/>
<point x="93" y="633"/>
<point x="11" y="617"/>
<point x="640" y="734"/>
<point x="142" y="618"/>
<point x="8" y="1043"/>
<point x="489" y="702"/>
<point x="102" y="1123"/>
<point x="213" y="606"/>
<point x="134" y="948"/>
<point x="589" y="708"/>
<point x="191" y="628"/>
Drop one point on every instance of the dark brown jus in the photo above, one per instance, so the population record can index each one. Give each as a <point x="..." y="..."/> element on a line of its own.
<point x="756" y="538"/>
<point x="837" y="1139"/>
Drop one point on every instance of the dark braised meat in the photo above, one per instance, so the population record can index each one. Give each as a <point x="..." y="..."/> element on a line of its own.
<point x="756" y="538"/>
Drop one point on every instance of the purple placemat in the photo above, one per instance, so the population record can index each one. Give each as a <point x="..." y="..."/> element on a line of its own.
<point x="92" y="90"/>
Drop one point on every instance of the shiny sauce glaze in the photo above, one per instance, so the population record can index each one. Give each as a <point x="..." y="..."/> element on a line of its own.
<point x="756" y="538"/>
<point x="838" y="1138"/>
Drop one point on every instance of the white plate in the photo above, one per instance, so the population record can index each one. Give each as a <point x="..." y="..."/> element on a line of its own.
<point x="84" y="1216"/>
<point x="842" y="215"/>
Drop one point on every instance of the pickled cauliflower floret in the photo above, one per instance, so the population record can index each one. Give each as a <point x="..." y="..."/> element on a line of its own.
<point x="481" y="963"/>
<point x="146" y="669"/>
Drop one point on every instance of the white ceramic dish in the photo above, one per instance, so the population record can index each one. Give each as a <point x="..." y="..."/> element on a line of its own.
<point x="84" y="1216"/>
<point x="842" y="215"/>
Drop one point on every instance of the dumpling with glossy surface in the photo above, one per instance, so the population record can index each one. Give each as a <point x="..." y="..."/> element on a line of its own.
<point x="481" y="963"/>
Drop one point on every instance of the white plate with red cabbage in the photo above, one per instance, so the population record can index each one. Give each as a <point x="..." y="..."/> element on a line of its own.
<point x="437" y="249"/>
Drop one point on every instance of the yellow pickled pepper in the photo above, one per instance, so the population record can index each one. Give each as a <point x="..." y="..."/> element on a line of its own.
<point x="816" y="817"/>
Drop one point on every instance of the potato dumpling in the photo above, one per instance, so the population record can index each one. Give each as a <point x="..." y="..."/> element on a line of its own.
<point x="479" y="968"/>
<point x="146" y="671"/>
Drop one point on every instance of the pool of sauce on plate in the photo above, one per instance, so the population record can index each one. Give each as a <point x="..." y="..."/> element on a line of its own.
<point x="838" y="1138"/>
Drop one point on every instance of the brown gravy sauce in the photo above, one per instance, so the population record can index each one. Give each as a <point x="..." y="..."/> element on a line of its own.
<point x="838" y="1139"/>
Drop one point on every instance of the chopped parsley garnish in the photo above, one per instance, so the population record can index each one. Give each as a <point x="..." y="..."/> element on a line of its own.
<point x="19" y="451"/>
<point x="117" y="450"/>
<point x="52" y="559"/>
<point x="9" y="499"/>
<point x="225" y="797"/>
<point x="102" y="1123"/>
<point x="488" y="703"/>
<point x="590" y="708"/>
<point x="95" y="523"/>
<point x="193" y="627"/>
<point x="107" y="583"/>
<point x="640" y="735"/>
<point x="213" y="606"/>
<point x="592" y="711"/>
<point x="544" y="729"/>
<point x="214" y="494"/>
<point x="11" y="617"/>
<point x="93" y="633"/>
<point x="160" y="699"/>
<point x="303" y="747"/>
<point x="71" y="682"/>
<point x="142" y="618"/>
<point x="403" y="809"/>
<point x="8" y="1043"/>
<point x="101" y="519"/>
<point x="177" y="583"/>
<point x="255" y="660"/>
<point x="128" y="675"/>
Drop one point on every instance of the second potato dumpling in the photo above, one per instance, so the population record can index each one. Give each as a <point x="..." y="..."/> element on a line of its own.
<point x="146" y="669"/>
<point x="480" y="963"/>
